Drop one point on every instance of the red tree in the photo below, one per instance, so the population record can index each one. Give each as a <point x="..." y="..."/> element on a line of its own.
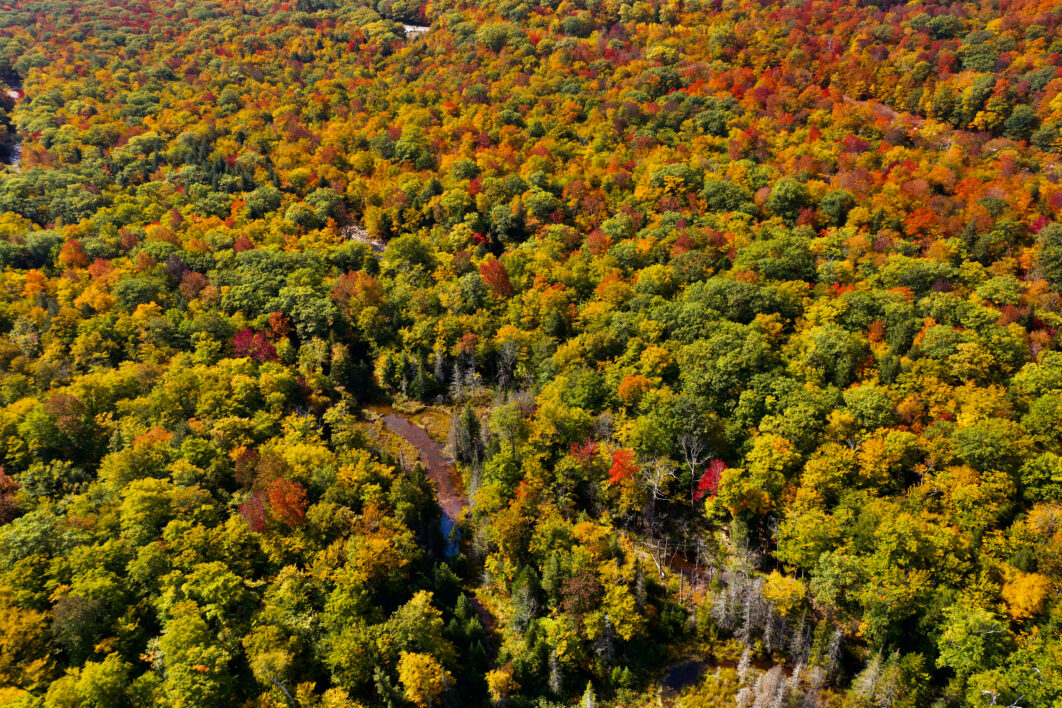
<point x="243" y="244"/>
<point x="709" y="484"/>
<point x="8" y="487"/>
<point x="287" y="500"/>
<point x="496" y="278"/>
<point x="254" y="511"/>
<point x="247" y="343"/>
<point x="72" y="255"/>
<point x="623" y="466"/>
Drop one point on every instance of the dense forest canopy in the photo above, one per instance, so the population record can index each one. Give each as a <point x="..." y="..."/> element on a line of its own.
<point x="739" y="319"/>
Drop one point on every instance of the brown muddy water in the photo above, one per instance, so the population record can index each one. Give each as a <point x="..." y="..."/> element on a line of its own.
<point x="449" y="489"/>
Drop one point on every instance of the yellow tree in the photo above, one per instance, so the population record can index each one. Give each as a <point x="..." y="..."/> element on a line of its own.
<point x="422" y="677"/>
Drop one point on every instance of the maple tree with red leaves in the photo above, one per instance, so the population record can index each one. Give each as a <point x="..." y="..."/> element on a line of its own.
<point x="253" y="344"/>
<point x="496" y="277"/>
<point x="708" y="486"/>
<point x="287" y="501"/>
<point x="623" y="466"/>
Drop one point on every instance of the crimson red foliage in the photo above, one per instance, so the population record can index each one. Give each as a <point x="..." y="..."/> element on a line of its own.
<point x="623" y="466"/>
<point x="256" y="346"/>
<point x="709" y="484"/>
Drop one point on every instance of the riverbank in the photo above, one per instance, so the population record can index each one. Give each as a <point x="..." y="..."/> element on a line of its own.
<point x="449" y="487"/>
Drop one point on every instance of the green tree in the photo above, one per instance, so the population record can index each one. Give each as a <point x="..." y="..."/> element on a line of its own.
<point x="788" y="198"/>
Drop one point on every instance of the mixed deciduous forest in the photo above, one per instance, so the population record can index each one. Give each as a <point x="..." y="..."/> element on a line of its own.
<point x="739" y="321"/>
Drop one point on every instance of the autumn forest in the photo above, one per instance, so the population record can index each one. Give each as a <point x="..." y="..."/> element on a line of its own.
<point x="589" y="353"/>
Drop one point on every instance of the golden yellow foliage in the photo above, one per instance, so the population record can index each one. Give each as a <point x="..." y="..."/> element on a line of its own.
<point x="784" y="592"/>
<point x="422" y="677"/>
<point x="500" y="683"/>
<point x="1025" y="595"/>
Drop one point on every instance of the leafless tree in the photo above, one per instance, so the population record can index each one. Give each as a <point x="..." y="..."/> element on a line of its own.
<point x="770" y="688"/>
<point x="816" y="680"/>
<point x="604" y="427"/>
<point x="440" y="365"/>
<point x="656" y="479"/>
<point x="508" y="355"/>
<point x="693" y="452"/>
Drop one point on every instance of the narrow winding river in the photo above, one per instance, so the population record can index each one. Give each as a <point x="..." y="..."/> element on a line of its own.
<point x="449" y="488"/>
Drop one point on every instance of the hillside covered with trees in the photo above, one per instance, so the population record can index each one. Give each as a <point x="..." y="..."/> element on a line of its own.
<point x="740" y="321"/>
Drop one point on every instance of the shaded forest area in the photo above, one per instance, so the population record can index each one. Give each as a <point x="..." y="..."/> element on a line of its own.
<point x="740" y="320"/>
